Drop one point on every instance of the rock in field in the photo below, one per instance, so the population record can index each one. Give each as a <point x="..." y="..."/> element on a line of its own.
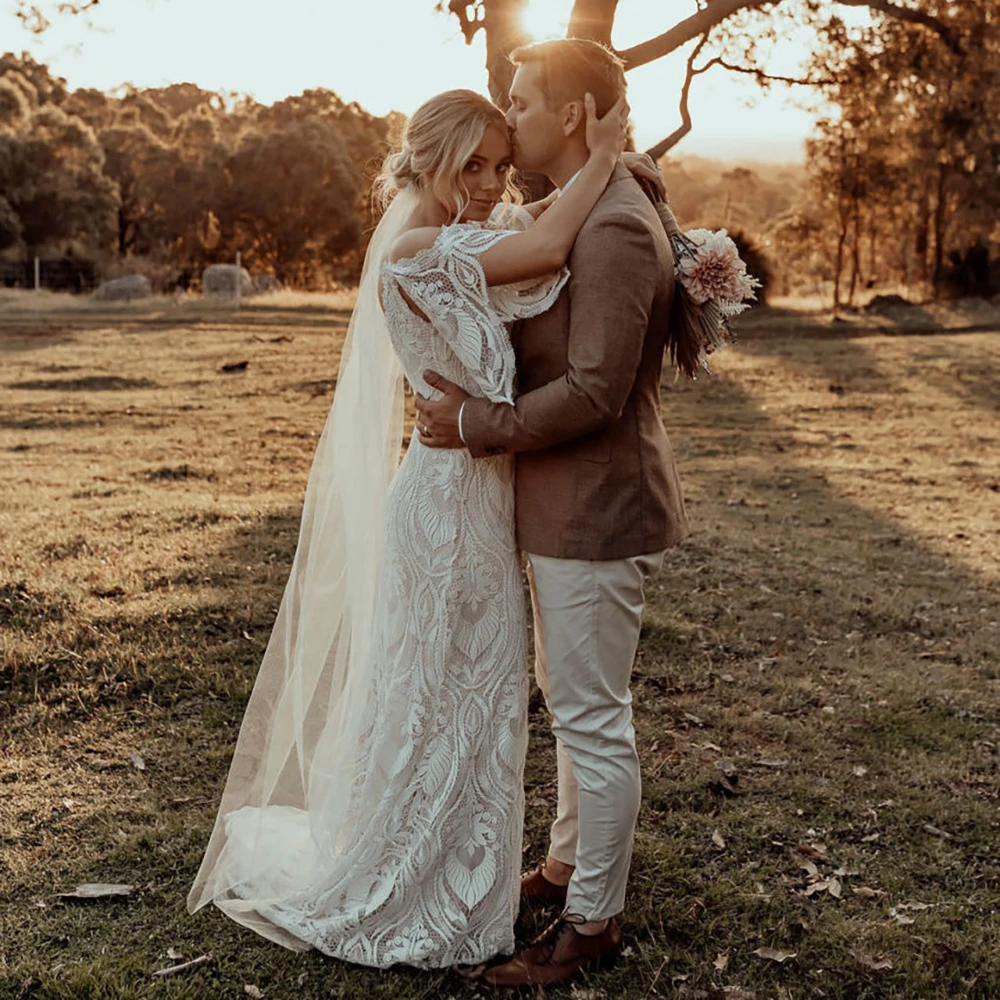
<point x="220" y="279"/>
<point x="132" y="286"/>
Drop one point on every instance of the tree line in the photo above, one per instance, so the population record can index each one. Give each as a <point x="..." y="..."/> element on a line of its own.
<point x="899" y="186"/>
<point x="177" y="177"/>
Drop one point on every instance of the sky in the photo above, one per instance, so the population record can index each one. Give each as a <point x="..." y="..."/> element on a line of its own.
<point x="393" y="54"/>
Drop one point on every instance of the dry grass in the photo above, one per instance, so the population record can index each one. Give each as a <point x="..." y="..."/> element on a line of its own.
<point x="819" y="664"/>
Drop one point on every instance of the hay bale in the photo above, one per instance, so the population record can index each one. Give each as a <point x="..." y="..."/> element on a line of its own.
<point x="132" y="286"/>
<point x="220" y="279"/>
<point x="264" y="284"/>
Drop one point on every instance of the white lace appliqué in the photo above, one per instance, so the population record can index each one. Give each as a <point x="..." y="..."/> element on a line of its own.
<point x="425" y="867"/>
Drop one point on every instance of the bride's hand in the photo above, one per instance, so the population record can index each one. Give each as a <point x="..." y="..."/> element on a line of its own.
<point x="606" y="136"/>
<point x="644" y="169"/>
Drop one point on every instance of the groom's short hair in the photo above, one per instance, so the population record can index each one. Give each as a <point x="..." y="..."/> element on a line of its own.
<point x="572" y="67"/>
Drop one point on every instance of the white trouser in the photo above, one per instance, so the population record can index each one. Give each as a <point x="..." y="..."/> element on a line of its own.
<point x="587" y="619"/>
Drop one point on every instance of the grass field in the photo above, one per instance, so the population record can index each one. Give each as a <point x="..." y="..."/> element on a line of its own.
<point x="817" y="691"/>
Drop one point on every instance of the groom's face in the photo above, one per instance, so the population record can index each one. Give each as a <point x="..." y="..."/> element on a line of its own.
<point x="537" y="130"/>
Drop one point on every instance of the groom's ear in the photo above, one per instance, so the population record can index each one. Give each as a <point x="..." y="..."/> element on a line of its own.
<point x="573" y="117"/>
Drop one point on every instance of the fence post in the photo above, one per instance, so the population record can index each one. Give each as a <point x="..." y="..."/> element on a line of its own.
<point x="239" y="275"/>
<point x="38" y="275"/>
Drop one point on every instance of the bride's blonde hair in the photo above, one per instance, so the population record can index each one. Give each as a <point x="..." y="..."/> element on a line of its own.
<point x="438" y="141"/>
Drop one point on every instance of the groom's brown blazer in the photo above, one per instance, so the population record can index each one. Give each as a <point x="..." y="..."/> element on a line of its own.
<point x="595" y="476"/>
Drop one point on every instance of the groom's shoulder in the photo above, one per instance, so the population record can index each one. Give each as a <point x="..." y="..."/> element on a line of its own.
<point x="622" y="213"/>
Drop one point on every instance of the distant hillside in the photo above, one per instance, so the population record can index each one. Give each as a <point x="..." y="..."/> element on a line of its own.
<point x="747" y="195"/>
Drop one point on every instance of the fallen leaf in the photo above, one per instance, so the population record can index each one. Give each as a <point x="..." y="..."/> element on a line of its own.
<point x="174" y="955"/>
<point x="867" y="892"/>
<point x="869" y="962"/>
<point x="773" y="955"/>
<point x="68" y="804"/>
<point x="814" y="850"/>
<point x="721" y="961"/>
<point x="809" y="867"/>
<point x="914" y="906"/>
<point x="301" y="981"/>
<point x="900" y="918"/>
<point x="252" y="991"/>
<point x="136" y="761"/>
<point x="860" y="771"/>
<point x="820" y="886"/>
<point x="97" y="890"/>
<point x="844" y="871"/>
<point x="718" y="839"/>
<point x="834" y="887"/>
<point x="870" y="839"/>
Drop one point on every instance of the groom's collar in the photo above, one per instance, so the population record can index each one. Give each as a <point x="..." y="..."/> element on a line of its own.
<point x="619" y="173"/>
<point x="565" y="186"/>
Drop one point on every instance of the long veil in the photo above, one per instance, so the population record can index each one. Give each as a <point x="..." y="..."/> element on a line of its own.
<point x="313" y="679"/>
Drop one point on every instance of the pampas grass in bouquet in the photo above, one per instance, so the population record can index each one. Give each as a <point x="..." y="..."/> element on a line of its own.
<point x="712" y="286"/>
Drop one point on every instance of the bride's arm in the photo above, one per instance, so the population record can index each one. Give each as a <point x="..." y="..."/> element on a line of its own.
<point x="544" y="247"/>
<point x="642" y="166"/>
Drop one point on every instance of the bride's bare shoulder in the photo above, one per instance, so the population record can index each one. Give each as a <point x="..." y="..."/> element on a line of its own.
<point x="410" y="243"/>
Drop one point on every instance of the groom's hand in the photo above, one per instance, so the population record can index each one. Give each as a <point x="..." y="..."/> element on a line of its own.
<point x="437" y="420"/>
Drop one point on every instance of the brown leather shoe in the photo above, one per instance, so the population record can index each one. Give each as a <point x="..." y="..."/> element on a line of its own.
<point x="557" y="956"/>
<point x="537" y="890"/>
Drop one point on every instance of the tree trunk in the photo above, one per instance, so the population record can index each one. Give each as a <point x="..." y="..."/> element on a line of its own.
<point x="940" y="213"/>
<point x="593" y="19"/>
<point x="923" y="231"/>
<point x="122" y="233"/>
<point x="504" y="33"/>
<point x="855" y="248"/>
<point x="872" y="241"/>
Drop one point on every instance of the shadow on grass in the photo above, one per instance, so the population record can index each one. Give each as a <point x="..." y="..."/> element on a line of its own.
<point x="790" y="599"/>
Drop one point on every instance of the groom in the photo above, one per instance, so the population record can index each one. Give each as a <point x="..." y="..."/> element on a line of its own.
<point x="598" y="498"/>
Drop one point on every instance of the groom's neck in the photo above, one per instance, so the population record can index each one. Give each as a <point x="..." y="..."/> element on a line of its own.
<point x="569" y="161"/>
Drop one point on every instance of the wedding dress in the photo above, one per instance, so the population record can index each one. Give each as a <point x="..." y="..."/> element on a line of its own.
<point x="374" y="807"/>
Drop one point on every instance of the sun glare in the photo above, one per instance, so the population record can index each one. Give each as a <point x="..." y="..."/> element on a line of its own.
<point x="544" y="19"/>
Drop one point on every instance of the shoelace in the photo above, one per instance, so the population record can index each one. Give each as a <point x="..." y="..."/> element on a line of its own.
<point x="549" y="938"/>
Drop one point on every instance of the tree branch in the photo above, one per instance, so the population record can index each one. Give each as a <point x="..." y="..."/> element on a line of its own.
<point x="761" y="77"/>
<point x="682" y="130"/>
<point x="719" y="10"/>
<point x="892" y="9"/>
<point x="691" y="27"/>
<point x="592" y="19"/>
<point x="470" y="25"/>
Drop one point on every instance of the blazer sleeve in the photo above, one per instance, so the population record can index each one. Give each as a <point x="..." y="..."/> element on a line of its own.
<point x="612" y="285"/>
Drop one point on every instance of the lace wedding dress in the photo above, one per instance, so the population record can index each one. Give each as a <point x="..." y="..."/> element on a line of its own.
<point x="408" y="847"/>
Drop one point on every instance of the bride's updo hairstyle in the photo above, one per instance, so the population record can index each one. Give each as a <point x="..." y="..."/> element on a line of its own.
<point x="439" y="140"/>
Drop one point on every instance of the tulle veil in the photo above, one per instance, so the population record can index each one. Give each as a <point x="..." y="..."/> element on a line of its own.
<point x="304" y="708"/>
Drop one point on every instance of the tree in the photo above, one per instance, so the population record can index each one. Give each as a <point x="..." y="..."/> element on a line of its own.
<point x="909" y="162"/>
<point x="728" y="24"/>
<point x="293" y="197"/>
<point x="51" y="174"/>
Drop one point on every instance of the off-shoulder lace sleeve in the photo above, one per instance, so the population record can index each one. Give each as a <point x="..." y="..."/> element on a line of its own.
<point x="523" y="299"/>
<point x="447" y="283"/>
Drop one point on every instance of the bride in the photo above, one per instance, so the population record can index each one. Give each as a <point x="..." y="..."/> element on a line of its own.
<point x="374" y="805"/>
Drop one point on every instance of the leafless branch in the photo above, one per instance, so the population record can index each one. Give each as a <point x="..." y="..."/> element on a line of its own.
<point x="682" y="130"/>
<point x="697" y="24"/>
<point x="761" y="77"/>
